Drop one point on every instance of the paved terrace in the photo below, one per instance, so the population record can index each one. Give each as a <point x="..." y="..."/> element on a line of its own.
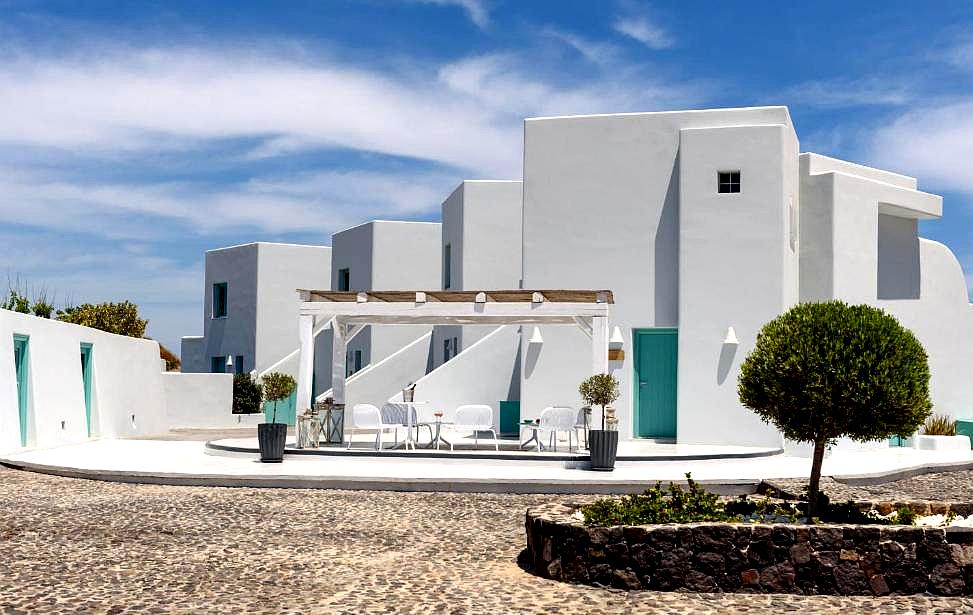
<point x="84" y="546"/>
<point x="184" y="462"/>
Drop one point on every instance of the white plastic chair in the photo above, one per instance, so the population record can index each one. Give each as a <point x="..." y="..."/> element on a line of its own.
<point x="474" y="418"/>
<point x="547" y="424"/>
<point x="581" y="426"/>
<point x="556" y="419"/>
<point x="367" y="417"/>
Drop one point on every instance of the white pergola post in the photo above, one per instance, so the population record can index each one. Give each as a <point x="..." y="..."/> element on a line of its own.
<point x="599" y="345"/>
<point x="338" y="352"/>
<point x="305" y="373"/>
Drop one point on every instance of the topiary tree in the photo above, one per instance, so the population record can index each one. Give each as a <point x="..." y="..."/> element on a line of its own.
<point x="247" y="394"/>
<point x="599" y="390"/>
<point x="277" y="386"/>
<point x="821" y="371"/>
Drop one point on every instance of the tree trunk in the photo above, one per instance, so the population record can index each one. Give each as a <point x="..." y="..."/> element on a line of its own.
<point x="815" y="482"/>
<point x="274" y="420"/>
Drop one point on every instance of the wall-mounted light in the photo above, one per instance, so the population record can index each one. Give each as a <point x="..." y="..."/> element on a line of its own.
<point x="731" y="337"/>
<point x="229" y="364"/>
<point x="616" y="340"/>
<point x="535" y="337"/>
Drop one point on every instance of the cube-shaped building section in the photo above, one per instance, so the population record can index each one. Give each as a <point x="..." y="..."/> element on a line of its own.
<point x="250" y="305"/>
<point x="385" y="255"/>
<point x="481" y="249"/>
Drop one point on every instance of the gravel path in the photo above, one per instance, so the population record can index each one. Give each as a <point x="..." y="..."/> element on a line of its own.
<point x="80" y="546"/>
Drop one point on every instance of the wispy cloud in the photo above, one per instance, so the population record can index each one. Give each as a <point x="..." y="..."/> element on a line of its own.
<point x="184" y="147"/>
<point x="477" y="10"/>
<point x="636" y="23"/>
<point x="933" y="142"/>
<point x="597" y="52"/>
<point x="277" y="204"/>
<point x="871" y="91"/>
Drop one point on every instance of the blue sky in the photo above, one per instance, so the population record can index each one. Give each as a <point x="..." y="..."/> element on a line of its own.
<point x="134" y="136"/>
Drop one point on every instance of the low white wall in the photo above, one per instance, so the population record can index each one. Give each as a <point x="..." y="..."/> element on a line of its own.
<point x="202" y="400"/>
<point x="484" y="373"/>
<point x="126" y="386"/>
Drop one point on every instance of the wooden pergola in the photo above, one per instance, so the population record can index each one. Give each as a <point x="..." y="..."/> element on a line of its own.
<point x="347" y="312"/>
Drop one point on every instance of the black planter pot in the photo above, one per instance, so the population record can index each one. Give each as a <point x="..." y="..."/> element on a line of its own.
<point x="604" y="446"/>
<point x="271" y="437"/>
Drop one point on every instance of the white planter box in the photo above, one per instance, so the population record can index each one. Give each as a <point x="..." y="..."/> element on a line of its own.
<point x="940" y="443"/>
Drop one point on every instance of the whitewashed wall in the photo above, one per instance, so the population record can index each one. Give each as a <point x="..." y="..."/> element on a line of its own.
<point x="484" y="373"/>
<point x="387" y="255"/>
<point x="483" y="225"/>
<point x="861" y="245"/>
<point x="127" y="391"/>
<point x="602" y="209"/>
<point x="202" y="401"/>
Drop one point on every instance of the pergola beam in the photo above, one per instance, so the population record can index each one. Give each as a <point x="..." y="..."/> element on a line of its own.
<point x="349" y="312"/>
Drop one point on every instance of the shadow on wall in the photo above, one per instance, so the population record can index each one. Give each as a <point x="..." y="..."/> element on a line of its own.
<point x="899" y="273"/>
<point x="667" y="256"/>
<point x="533" y="353"/>
<point x="727" y="354"/>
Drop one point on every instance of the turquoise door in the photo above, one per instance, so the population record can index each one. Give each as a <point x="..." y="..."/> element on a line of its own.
<point x="656" y="352"/>
<point x="21" y="366"/>
<point x="86" y="382"/>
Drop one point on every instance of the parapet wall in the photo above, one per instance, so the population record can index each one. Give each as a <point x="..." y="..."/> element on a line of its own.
<point x="751" y="558"/>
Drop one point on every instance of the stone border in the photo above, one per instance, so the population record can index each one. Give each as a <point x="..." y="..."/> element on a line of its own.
<point x="882" y="506"/>
<point x="750" y="558"/>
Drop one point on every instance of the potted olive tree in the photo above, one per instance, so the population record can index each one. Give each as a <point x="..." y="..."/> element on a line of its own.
<point x="273" y="435"/>
<point x="601" y="390"/>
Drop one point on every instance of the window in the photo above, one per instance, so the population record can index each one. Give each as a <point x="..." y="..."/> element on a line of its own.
<point x="344" y="279"/>
<point x="217" y="365"/>
<point x="219" y="300"/>
<point x="353" y="362"/>
<point x="450" y="348"/>
<point x="447" y="266"/>
<point x="238" y="364"/>
<point x="729" y="181"/>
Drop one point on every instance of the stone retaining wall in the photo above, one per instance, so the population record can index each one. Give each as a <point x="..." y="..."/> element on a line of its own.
<point x="714" y="557"/>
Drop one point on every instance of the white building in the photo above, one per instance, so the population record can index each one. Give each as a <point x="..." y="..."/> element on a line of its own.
<point x="248" y="306"/>
<point x="481" y="248"/>
<point x="383" y="255"/>
<point x="705" y="225"/>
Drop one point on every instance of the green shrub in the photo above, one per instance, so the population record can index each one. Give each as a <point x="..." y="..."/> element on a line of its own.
<point x="16" y="302"/>
<point x="247" y="394"/>
<point x="599" y="390"/>
<point x="905" y="516"/>
<point x="939" y="425"/>
<point x="821" y="371"/>
<point x="658" y="505"/>
<point x="277" y="386"/>
<point x="119" y="318"/>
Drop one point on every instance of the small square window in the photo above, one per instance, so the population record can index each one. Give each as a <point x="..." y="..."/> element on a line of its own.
<point x="238" y="364"/>
<point x="728" y="181"/>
